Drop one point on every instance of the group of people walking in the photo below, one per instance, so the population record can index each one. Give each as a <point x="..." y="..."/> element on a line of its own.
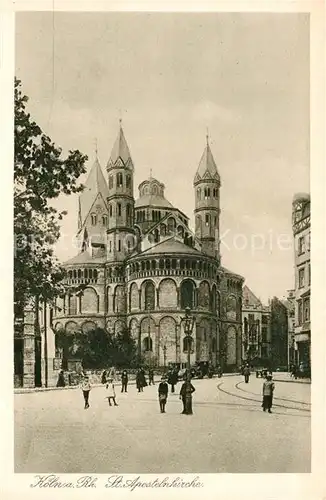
<point x="171" y="378"/>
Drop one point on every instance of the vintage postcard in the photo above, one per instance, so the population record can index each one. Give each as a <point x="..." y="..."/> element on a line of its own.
<point x="166" y="180"/>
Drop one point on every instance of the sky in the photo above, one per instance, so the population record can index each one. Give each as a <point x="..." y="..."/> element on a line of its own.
<point x="170" y="77"/>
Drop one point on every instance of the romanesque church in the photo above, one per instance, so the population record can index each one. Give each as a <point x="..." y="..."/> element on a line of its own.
<point x="141" y="265"/>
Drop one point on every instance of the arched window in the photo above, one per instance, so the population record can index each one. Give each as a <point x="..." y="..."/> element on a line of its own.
<point x="70" y="274"/>
<point x="128" y="213"/>
<point x="182" y="264"/>
<point x="75" y="274"/>
<point x="149" y="296"/>
<point x="110" y="210"/>
<point x="148" y="265"/>
<point x="153" y="264"/>
<point x="79" y="273"/>
<point x="93" y="219"/>
<point x="128" y="181"/>
<point x="161" y="264"/>
<point x="148" y="344"/>
<point x="119" y="179"/>
<point x="72" y="305"/>
<point x="104" y="220"/>
<point x="167" y="263"/>
<point x="119" y="209"/>
<point x="193" y="265"/>
<point x="207" y="219"/>
<point x="95" y="274"/>
<point x="204" y="295"/>
<point x="156" y="236"/>
<point x="187" y="341"/>
<point x="198" y="194"/>
<point x="174" y="264"/>
<point x="213" y="299"/>
<point x="142" y="265"/>
<point x="180" y="231"/>
<point x="89" y="301"/>
<point x="171" y="225"/>
<point x="111" y="182"/>
<point x="187" y="291"/>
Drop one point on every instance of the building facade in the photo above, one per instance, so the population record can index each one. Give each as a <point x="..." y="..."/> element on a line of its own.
<point x="290" y="306"/>
<point x="279" y="334"/>
<point x="256" y="328"/>
<point x="301" y="234"/>
<point x="140" y="266"/>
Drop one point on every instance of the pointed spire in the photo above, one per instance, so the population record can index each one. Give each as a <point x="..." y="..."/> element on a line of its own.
<point x="120" y="155"/>
<point x="94" y="185"/>
<point x="207" y="167"/>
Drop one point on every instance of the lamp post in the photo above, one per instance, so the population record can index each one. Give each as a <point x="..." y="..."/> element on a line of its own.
<point x="164" y="357"/>
<point x="188" y="321"/>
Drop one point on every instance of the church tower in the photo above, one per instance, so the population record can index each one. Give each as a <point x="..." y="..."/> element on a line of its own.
<point x="207" y="203"/>
<point x="120" y="171"/>
<point x="93" y="212"/>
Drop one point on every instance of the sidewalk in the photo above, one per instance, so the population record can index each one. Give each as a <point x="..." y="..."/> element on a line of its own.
<point x="286" y="377"/>
<point x="26" y="390"/>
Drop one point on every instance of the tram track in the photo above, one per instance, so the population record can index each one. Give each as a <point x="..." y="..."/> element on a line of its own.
<point x="274" y="398"/>
<point x="306" y="410"/>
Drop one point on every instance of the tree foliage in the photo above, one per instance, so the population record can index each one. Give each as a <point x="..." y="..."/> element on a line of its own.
<point x="98" y="349"/>
<point x="41" y="174"/>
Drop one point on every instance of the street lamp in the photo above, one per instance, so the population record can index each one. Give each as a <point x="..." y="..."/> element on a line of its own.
<point x="188" y="320"/>
<point x="164" y="356"/>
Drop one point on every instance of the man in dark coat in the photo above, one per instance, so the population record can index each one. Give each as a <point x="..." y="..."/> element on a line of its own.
<point x="139" y="381"/>
<point x="246" y="372"/>
<point x="61" y="379"/>
<point x="124" y="381"/>
<point x="183" y="395"/>
<point x="172" y="379"/>
<point x="163" y="390"/>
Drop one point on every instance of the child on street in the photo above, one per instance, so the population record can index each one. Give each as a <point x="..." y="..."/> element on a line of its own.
<point x="268" y="390"/>
<point x="86" y="387"/>
<point x="111" y="392"/>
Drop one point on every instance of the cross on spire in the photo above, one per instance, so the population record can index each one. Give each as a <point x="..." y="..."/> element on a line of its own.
<point x="95" y="147"/>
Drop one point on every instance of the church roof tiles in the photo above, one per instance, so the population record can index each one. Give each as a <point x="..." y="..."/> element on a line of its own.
<point x="207" y="168"/>
<point x="120" y="154"/>
<point x="94" y="185"/>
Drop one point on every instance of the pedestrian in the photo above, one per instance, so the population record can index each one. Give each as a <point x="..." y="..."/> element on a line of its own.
<point x="143" y="377"/>
<point x="124" y="381"/>
<point x="219" y="371"/>
<point x="86" y="387"/>
<point x="111" y="392"/>
<point x="103" y="378"/>
<point x="151" y="377"/>
<point x="186" y="386"/>
<point x="172" y="379"/>
<point x="163" y="390"/>
<point x="268" y="391"/>
<point x="246" y="372"/>
<point x="139" y="381"/>
<point x="61" y="379"/>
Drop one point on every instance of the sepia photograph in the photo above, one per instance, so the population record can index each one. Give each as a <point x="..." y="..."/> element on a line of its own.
<point x="162" y="223"/>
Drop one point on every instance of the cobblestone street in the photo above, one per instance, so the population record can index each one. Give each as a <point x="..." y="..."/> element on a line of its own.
<point x="228" y="431"/>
